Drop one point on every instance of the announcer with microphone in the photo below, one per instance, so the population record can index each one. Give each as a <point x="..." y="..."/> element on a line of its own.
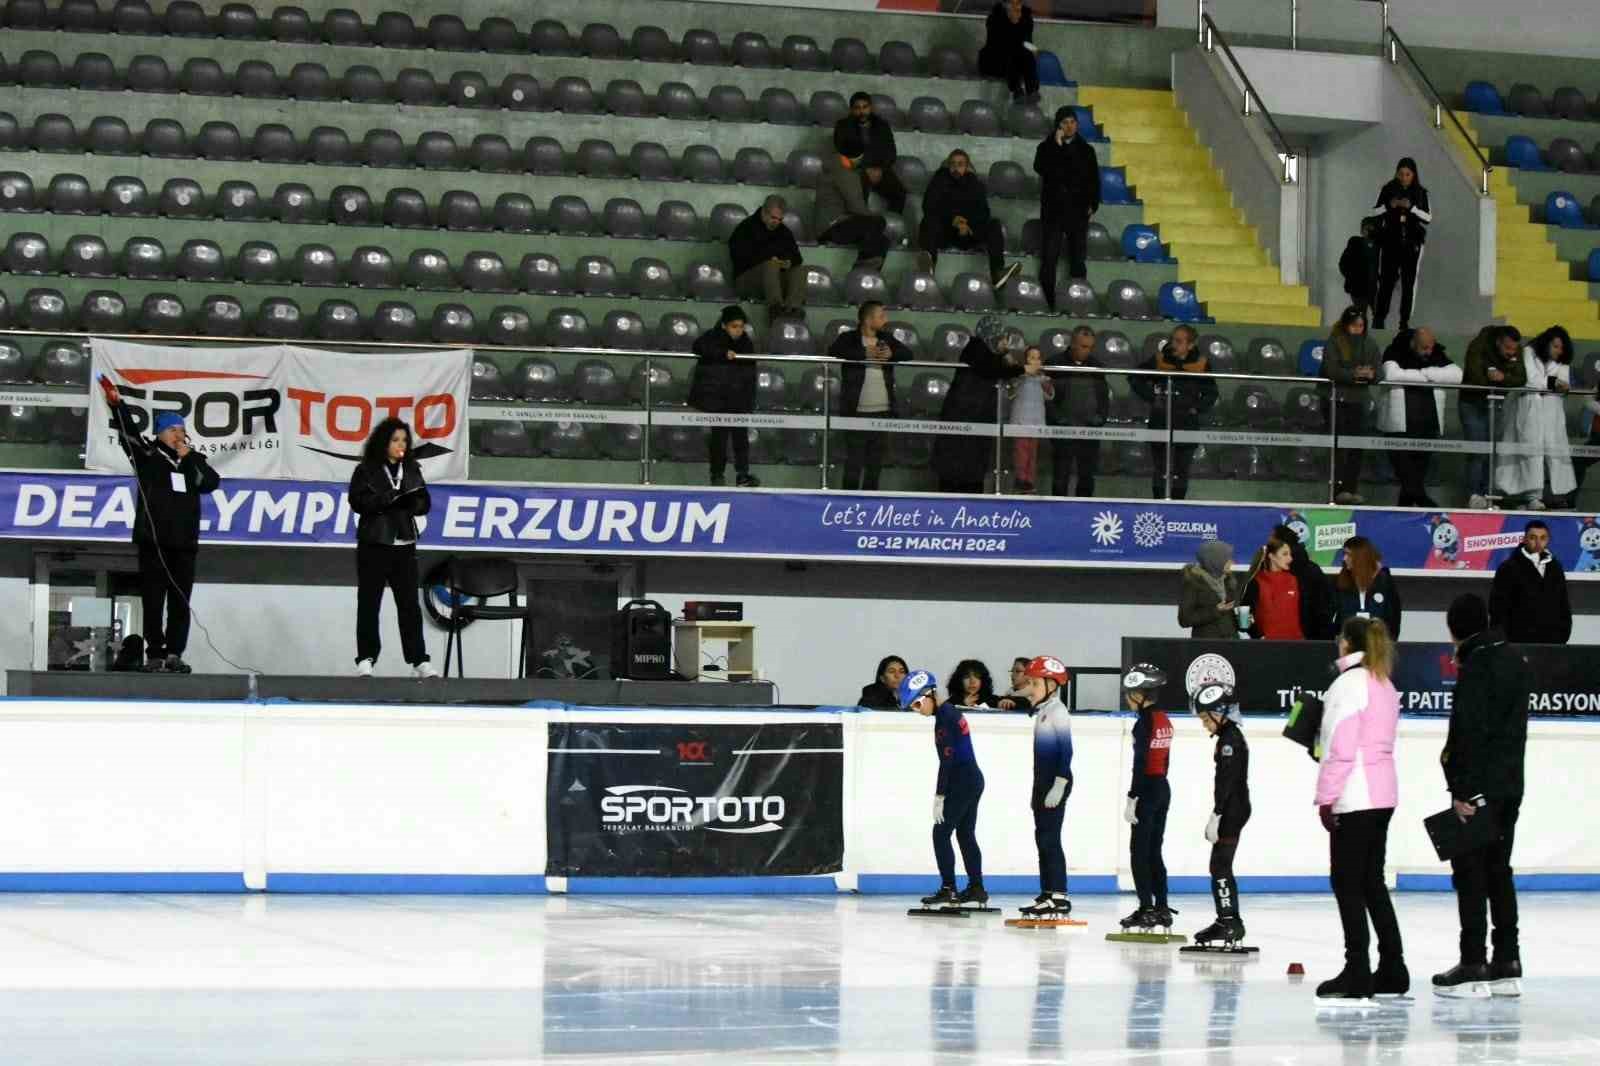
<point x="172" y="477"/>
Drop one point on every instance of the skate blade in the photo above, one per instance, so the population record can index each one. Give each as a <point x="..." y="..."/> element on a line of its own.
<point x="1219" y="949"/>
<point x="1510" y="987"/>
<point x="1346" y="1003"/>
<point x="1045" y="923"/>
<point x="1147" y="938"/>
<point x="936" y="912"/>
<point x="1470" y="990"/>
<point x="1394" y="999"/>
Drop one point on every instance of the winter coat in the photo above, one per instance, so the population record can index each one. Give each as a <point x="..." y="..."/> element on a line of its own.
<point x="948" y="196"/>
<point x="1358" y="265"/>
<point x="167" y="516"/>
<point x="1316" y="595"/>
<point x="878" y="697"/>
<point x="873" y="145"/>
<point x="388" y="515"/>
<point x="1415" y="412"/>
<point x="751" y="243"/>
<point x="1482" y="356"/>
<point x="1069" y="176"/>
<point x="971" y="398"/>
<point x="1538" y="423"/>
<point x="720" y="384"/>
<point x="839" y="195"/>
<point x="1197" y="606"/>
<point x="1360" y="713"/>
<point x="1488" y="736"/>
<point x="1192" y="392"/>
<point x="1273" y="597"/>
<point x="1004" y="37"/>
<point x="1407" y="225"/>
<point x="847" y="346"/>
<point x="1527" y="608"/>
<point x="1344" y="355"/>
<point x="1381" y="601"/>
<point x="1081" y="399"/>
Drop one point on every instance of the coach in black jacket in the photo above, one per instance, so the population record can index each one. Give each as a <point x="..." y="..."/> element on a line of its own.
<point x="868" y="142"/>
<point x="867" y="389"/>
<point x="1528" y="601"/>
<point x="1069" y="195"/>
<point x="1482" y="758"/>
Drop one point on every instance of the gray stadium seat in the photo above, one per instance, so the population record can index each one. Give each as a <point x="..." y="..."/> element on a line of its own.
<point x="780" y="108"/>
<point x="596" y="275"/>
<point x="448" y="33"/>
<point x="821" y="289"/>
<point x="362" y="84"/>
<point x="16" y="192"/>
<point x="220" y="315"/>
<point x="351" y="205"/>
<point x="500" y="36"/>
<point x="1566" y="155"/>
<point x="653" y="45"/>
<point x="1526" y="100"/>
<point x="596" y="158"/>
<point x="676" y="332"/>
<point x="106" y="135"/>
<point x="142" y="257"/>
<point x="702" y="163"/>
<point x="676" y="100"/>
<point x="850" y="56"/>
<point x="802" y="53"/>
<point x="927" y="393"/>
<point x="827" y="108"/>
<point x="280" y="318"/>
<point x="755" y="166"/>
<point x="437" y="150"/>
<point x="1154" y="342"/>
<point x="1268" y="355"/>
<point x="486" y="272"/>
<point x="453" y="324"/>
<point x="275" y="143"/>
<point x="429" y="269"/>
<point x="702" y="48"/>
<point x="204" y="77"/>
<point x="372" y="267"/>
<point x="624" y="218"/>
<point x="183" y="18"/>
<point x="254" y="78"/>
<point x="945" y="61"/>
<point x="515" y="213"/>
<point x="384" y="148"/>
<point x="316" y="265"/>
<point x="1567" y="102"/>
<point x="1009" y="181"/>
<point x="570" y="215"/>
<point x="970" y="292"/>
<point x="649" y="161"/>
<point x="750" y="49"/>
<point x="395" y="320"/>
<point x="543" y="155"/>
<point x="133" y="17"/>
<point x="293" y="25"/>
<point x="63" y="363"/>
<point x="921" y="291"/>
<point x="343" y="26"/>
<point x="725" y="218"/>
<point x="1127" y="300"/>
<point x="294" y="202"/>
<point x="161" y="312"/>
<point x="772" y="387"/>
<point x="55" y="133"/>
<point x="978" y="119"/>
<point x="312" y="81"/>
<point x="1026" y="120"/>
<point x="573" y="96"/>
<point x="595" y="381"/>
<point x="258" y="263"/>
<point x="539" y="273"/>
<point x="509" y="440"/>
<point x="329" y="146"/>
<point x="69" y="194"/>
<point x="906" y="334"/>
<point x="912" y="172"/>
<point x="95" y="70"/>
<point x="803" y="167"/>
<point x="1115" y="350"/>
<point x="45" y="309"/>
<point x="87" y="256"/>
<point x="395" y="29"/>
<point x="625" y="97"/>
<point x="550" y="38"/>
<point x="338" y="320"/>
<point x="468" y="88"/>
<point x="948" y="341"/>
<point x="790" y="336"/>
<point x="567" y="327"/>
<point x="183" y="198"/>
<point x="536" y="379"/>
<point x="491" y="153"/>
<point x="622" y="329"/>
<point x="461" y="211"/>
<point x="219" y="141"/>
<point x="1025" y="296"/>
<point x="727" y="103"/>
<point x="928" y="115"/>
<point x="127" y="197"/>
<point x="707" y="282"/>
<point x="678" y="221"/>
<point x="29" y="15"/>
<point x="861" y="285"/>
<point x="884" y="107"/>
<point x="651" y="279"/>
<point x="1220" y="354"/>
<point x="80" y="16"/>
<point x="1081" y="301"/>
<point x="1101" y="244"/>
<point x="200" y="260"/>
<point x="519" y="92"/>
<point x="897" y="58"/>
<point x="239" y="201"/>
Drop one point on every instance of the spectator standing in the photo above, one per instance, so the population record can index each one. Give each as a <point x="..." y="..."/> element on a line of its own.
<point x="972" y="687"/>
<point x="1483" y="769"/>
<point x="1008" y="50"/>
<point x="1366" y="589"/>
<point x="1273" y="594"/>
<point x="1528" y="600"/>
<point x="766" y="261"/>
<point x="1081" y="400"/>
<point x="1069" y="195"/>
<point x="868" y="142"/>
<point x="883" y="693"/>
<point x="961" y="462"/>
<point x="1358" y="265"/>
<point x="1210" y="594"/>
<point x="841" y="215"/>
<point x="1494" y="358"/>
<point x="1316" y="589"/>
<point x="389" y="494"/>
<point x="1192" y="395"/>
<point x="1351" y="362"/>
<point x="1406" y="218"/>
<point x="955" y="213"/>
<point x="867" y="389"/>
<point x="725" y="384"/>
<point x="1029" y="395"/>
<point x="1414" y="358"/>
<point x="1537" y="423"/>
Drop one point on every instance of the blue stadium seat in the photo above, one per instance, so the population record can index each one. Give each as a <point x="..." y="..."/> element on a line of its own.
<point x="1483" y="98"/>
<point x="1114" y="186"/>
<point x="1142" y="244"/>
<point x="1523" y="153"/>
<point x="1310" y="358"/>
<point x="1562" y="209"/>
<point x="1177" y="302"/>
<point x="1086" y="125"/>
<point x="1594" y="265"/>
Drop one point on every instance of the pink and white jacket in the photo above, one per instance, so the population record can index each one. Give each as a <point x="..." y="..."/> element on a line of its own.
<point x="1359" y="716"/>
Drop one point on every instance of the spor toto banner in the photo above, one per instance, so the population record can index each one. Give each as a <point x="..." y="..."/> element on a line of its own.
<point x="598" y="520"/>
<point x="285" y="412"/>
<point x="695" y="800"/>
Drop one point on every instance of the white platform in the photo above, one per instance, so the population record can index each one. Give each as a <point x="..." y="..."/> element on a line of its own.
<point x="496" y="981"/>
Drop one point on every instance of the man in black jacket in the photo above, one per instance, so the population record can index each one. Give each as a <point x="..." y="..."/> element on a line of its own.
<point x="1316" y="588"/>
<point x="172" y="477"/>
<point x="1081" y="400"/>
<point x="866" y="390"/>
<point x="868" y="142"/>
<point x="766" y="260"/>
<point x="1528" y="601"/>
<point x="1193" y="394"/>
<point x="1483" y="768"/>
<point x="1069" y="195"/>
<point x="955" y="213"/>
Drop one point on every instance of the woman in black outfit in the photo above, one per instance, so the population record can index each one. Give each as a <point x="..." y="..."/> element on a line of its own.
<point x="1008" y="51"/>
<point x="388" y="493"/>
<point x="1406" y="217"/>
<point x="962" y="462"/>
<point x="884" y="693"/>
<point x="972" y="686"/>
<point x="1365" y="588"/>
<point x="725" y="384"/>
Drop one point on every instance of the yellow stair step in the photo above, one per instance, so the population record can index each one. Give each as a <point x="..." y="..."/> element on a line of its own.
<point x="1200" y="256"/>
<point x="1169" y="119"/>
<point x="1231" y="292"/>
<point x="1174" y="197"/>
<point x="1144" y="133"/>
<point x="1206" y="274"/>
<point x="1195" y="216"/>
<point x="1190" y="233"/>
<point x="1159" y="156"/>
<point x="1097" y="94"/>
<point x="1264" y="314"/>
<point x="1561" y="290"/>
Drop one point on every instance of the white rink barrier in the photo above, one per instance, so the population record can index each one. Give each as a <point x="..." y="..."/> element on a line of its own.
<point x="108" y="796"/>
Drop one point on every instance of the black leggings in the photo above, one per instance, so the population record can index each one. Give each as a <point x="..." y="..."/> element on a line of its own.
<point x="961" y="797"/>
<point x="166" y="582"/>
<point x="1149" y="870"/>
<point x="392" y="567"/>
<point x="1224" y="888"/>
<point x="1356" y="851"/>
<point x="717" y="438"/>
<point x="1047" y="839"/>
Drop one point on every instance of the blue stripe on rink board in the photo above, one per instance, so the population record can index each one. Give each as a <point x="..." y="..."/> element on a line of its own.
<point x="1184" y="886"/>
<point x="122" y="882"/>
<point x="409" y="884"/>
<point x="1003" y="885"/>
<point x="701" y="886"/>
<point x="1524" y="882"/>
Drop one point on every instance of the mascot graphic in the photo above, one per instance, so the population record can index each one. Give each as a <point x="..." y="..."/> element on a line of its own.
<point x="1447" y="541"/>
<point x="1589" y="543"/>
<point x="1300" y="527"/>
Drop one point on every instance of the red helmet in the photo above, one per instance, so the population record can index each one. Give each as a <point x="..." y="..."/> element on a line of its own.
<point x="1047" y="666"/>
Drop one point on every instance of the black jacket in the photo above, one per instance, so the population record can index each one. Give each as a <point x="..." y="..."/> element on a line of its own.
<point x="847" y="346"/>
<point x="1193" y="393"/>
<point x="971" y="398"/>
<point x="1529" y="609"/>
<point x="751" y="243"/>
<point x="1002" y="36"/>
<point x="878" y="697"/>
<point x="948" y="196"/>
<point x="1231" y="791"/>
<point x="387" y="514"/>
<point x="874" y="146"/>
<point x="1383" y="601"/>
<point x="1483" y="751"/>
<point x="1422" y="409"/>
<point x="1358" y="265"/>
<point x="1404" y="225"/>
<point x="166" y="516"/>
<point x="1075" y="392"/>
<point x="1069" y="175"/>
<point x="720" y="384"/>
<point x="1316" y="595"/>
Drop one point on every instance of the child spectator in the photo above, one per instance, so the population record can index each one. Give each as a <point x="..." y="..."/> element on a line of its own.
<point x="1028" y="396"/>
<point x="1359" y="265"/>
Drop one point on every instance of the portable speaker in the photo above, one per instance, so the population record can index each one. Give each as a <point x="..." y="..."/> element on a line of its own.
<point x="641" y="641"/>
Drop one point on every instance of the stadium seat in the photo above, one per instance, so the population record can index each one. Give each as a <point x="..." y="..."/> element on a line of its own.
<point x="395" y="320"/>
<point x="87" y="256"/>
<point x="544" y="155"/>
<point x="1220" y="355"/>
<point x="510" y="440"/>
<point x="1564" y="154"/>
<point x="519" y="92"/>
<point x="570" y="215"/>
<point x="204" y="77"/>
<point x="861" y="285"/>
<point x="1562" y="209"/>
<point x="755" y="166"/>
<point x="549" y="37"/>
<point x="884" y="107"/>
<point x="675" y="100"/>
<point x="183" y="18"/>
<point x="45" y="310"/>
<point x="384" y="148"/>
<point x="1526" y="100"/>
<point x="779" y="107"/>
<point x="1008" y="180"/>
<point x="220" y="315"/>
<point x="429" y="269"/>
<point x="1027" y="121"/>
<point x="127" y="197"/>
<point x="106" y="135"/>
<point x="708" y="283"/>
<point x="80" y="16"/>
<point x="651" y="279"/>
<point x="55" y="133"/>
<point x="751" y="49"/>
<point x="275" y="143"/>
<point x="567" y="327"/>
<point x="486" y="272"/>
<point x="184" y="198"/>
<point x="850" y="56"/>
<point x="362" y="84"/>
<point x="16" y="192"/>
<point x="624" y="218"/>
<point x="596" y="275"/>
<point x="948" y="341"/>
<point x="292" y="25"/>
<point x="132" y="17"/>
<point x="1484" y="98"/>
<point x="597" y="158"/>
<point x="1268" y="356"/>
<point x="1127" y="300"/>
<point x="372" y="267"/>
<point x="920" y="291"/>
<point x="510" y="326"/>
<point x="490" y="153"/>
<point x="280" y="318"/>
<point x="1115" y="350"/>
<point x="1523" y="153"/>
<point x="573" y="96"/>
<point x="803" y="167"/>
<point x="1114" y="186"/>
<point x="701" y="163"/>
<point x="343" y="26"/>
<point x="68" y="194"/>
<point x="1142" y="244"/>
<point x="539" y="273"/>
<point x="676" y="332"/>
<point x="329" y="146"/>
<point x="161" y="312"/>
<point x="1594" y="265"/>
<point x="928" y="115"/>
<point x="1569" y="103"/>
<point x="827" y="108"/>
<point x="702" y="48"/>
<point x="219" y="141"/>
<point x="468" y="88"/>
<point x="63" y="363"/>
<point x="254" y="78"/>
<point x="623" y="97"/>
<point x="790" y="336"/>
<point x="453" y="324"/>
<point x="970" y="292"/>
<point x="461" y="211"/>
<point x="448" y="33"/>
<point x="926" y="395"/>
<point x="725" y="218"/>
<point x="677" y="220"/>
<point x="338" y="320"/>
<point x="653" y="45"/>
<point x="622" y="329"/>
<point x="913" y="173"/>
<point x="141" y="257"/>
<point x="437" y="150"/>
<point x="946" y="61"/>
<point x="1080" y="301"/>
<point x="95" y="70"/>
<point x="239" y="201"/>
<point x="27" y="253"/>
<point x="772" y="387"/>
<point x="1177" y="301"/>
<point x="1025" y="296"/>
<point x="312" y="81"/>
<point x="727" y="103"/>
<point x="351" y="205"/>
<point x="200" y="260"/>
<point x="515" y="213"/>
<point x="802" y="53"/>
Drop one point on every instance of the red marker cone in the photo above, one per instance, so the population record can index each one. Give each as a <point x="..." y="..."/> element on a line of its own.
<point x="1296" y="970"/>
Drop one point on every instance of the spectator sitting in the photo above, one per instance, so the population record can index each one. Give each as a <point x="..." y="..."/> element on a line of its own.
<point x="1190" y="398"/>
<point x="1008" y="50"/>
<point x="960" y="461"/>
<point x="1539" y="424"/>
<point x="130" y="655"/>
<point x="1414" y="413"/>
<point x="766" y="261"/>
<point x="841" y="215"/>
<point x="1015" y="700"/>
<point x="1081" y="400"/>
<point x="1528" y="601"/>
<point x="1493" y="358"/>
<point x="1273" y="594"/>
<point x="1029" y="394"/>
<point x="1316" y="590"/>
<point x="1210" y="594"/>
<point x="1365" y="588"/>
<point x="867" y="388"/>
<point x="1351" y="363"/>
<point x="955" y="213"/>
<point x="868" y="142"/>
<point x="1358" y="265"/>
<point x="883" y="694"/>
<point x="1069" y="195"/>
<point x="724" y="383"/>
<point x="972" y="687"/>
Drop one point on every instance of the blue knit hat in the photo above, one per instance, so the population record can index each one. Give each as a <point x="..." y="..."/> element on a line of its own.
<point x="167" y="419"/>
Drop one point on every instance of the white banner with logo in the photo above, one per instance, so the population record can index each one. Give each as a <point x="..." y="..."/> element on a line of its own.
<point x="283" y="411"/>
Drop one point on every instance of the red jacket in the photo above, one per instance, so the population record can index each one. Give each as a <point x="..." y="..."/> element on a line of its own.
<point x="1277" y="606"/>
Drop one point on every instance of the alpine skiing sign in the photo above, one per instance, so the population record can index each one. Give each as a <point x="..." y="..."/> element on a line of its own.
<point x="694" y="800"/>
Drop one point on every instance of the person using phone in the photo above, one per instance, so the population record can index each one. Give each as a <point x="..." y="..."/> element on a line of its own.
<point x="172" y="477"/>
<point x="389" y="494"/>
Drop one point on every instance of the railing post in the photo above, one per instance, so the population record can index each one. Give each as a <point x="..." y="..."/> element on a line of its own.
<point x="999" y="437"/>
<point x="1333" y="439"/>
<point x="827" y="417"/>
<point x="1171" y="437"/>
<point x="1294" y="24"/>
<point x="1495" y="399"/>
<point x="1383" y="35"/>
<point x="644" y="438"/>
<point x="1200" y="22"/>
<point x="1247" y="103"/>
<point x="1438" y="116"/>
<point x="1485" y="185"/>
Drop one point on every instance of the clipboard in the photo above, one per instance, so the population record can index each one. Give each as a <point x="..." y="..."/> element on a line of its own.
<point x="1451" y="836"/>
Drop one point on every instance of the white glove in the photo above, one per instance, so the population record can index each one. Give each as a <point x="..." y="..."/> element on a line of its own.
<point x="938" y="810"/>
<point x="1057" y="793"/>
<point x="1212" y="826"/>
<point x="1030" y="46"/>
<point x="1130" y="811"/>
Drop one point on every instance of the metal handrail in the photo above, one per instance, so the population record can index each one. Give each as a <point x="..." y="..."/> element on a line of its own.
<point x="1394" y="50"/>
<point x="1211" y="35"/>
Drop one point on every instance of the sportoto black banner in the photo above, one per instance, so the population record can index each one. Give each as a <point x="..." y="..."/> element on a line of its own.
<point x="694" y="800"/>
<point x="1270" y="675"/>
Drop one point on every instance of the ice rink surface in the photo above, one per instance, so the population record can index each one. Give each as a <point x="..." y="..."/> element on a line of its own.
<point x="496" y="981"/>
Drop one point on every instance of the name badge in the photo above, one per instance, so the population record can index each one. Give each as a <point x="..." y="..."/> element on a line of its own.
<point x="179" y="484"/>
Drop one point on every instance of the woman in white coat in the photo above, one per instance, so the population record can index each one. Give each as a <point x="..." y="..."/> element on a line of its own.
<point x="1414" y="357"/>
<point x="1536" y="425"/>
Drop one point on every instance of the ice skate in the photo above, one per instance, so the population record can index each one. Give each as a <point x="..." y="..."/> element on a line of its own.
<point x="1505" y="978"/>
<point x="1391" y="980"/>
<point x="1147" y="925"/>
<point x="1351" y="988"/>
<point x="1466" y="981"/>
<point x="1222" y="936"/>
<point x="1050" y="910"/>
<point x="974" y="899"/>
<point x="942" y="904"/>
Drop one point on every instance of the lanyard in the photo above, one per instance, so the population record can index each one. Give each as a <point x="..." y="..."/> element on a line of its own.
<point x="397" y="478"/>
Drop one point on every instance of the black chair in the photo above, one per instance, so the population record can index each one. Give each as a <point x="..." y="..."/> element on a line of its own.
<point x="469" y="583"/>
<point x="127" y="197"/>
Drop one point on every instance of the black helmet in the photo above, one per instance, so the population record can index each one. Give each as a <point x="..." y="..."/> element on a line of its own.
<point x="1143" y="676"/>
<point x="1213" y="698"/>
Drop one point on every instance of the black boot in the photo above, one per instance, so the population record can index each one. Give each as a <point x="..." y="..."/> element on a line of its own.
<point x="1391" y="978"/>
<point x="1353" y="982"/>
<point x="1469" y="980"/>
<point x="1140" y="919"/>
<point x="973" y="893"/>
<point x="1505" y="977"/>
<point x="945" y="897"/>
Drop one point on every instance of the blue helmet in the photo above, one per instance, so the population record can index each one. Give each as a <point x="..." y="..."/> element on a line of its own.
<point x="914" y="685"/>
